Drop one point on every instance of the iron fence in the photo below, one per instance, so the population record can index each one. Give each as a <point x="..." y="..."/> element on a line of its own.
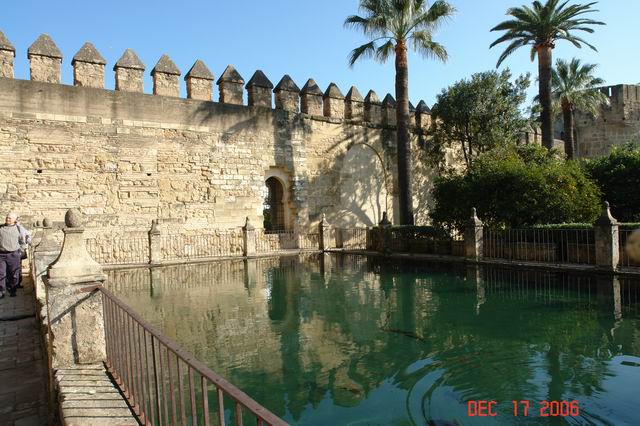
<point x="119" y="251"/>
<point x="625" y="260"/>
<point x="425" y="240"/>
<point x="352" y="238"/>
<point x="273" y="242"/>
<point x="575" y="246"/>
<point x="163" y="383"/>
<point x="309" y="241"/>
<point x="221" y="244"/>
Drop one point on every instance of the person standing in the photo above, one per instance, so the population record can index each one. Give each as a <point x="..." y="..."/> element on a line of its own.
<point x="10" y="255"/>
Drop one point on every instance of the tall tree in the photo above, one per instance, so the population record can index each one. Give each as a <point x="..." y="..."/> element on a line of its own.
<point x="541" y="26"/>
<point x="575" y="88"/>
<point x="476" y="115"/>
<point x="394" y="26"/>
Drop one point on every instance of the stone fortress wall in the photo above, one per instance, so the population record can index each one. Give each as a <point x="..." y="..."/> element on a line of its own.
<point x="126" y="158"/>
<point x="618" y="123"/>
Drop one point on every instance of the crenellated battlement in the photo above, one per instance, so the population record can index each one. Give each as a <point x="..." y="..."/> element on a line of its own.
<point x="45" y="60"/>
<point x="624" y="102"/>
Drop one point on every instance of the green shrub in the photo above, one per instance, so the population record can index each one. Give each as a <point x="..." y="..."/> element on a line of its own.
<point x="517" y="187"/>
<point x="618" y="177"/>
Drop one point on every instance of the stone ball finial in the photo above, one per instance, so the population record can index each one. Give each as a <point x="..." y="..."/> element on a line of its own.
<point x="38" y="224"/>
<point x="73" y="218"/>
<point x="385" y="220"/>
<point x="46" y="223"/>
<point x="247" y="225"/>
<point x="475" y="220"/>
<point x="606" y="218"/>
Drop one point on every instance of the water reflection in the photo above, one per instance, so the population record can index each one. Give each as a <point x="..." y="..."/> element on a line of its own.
<point x="325" y="339"/>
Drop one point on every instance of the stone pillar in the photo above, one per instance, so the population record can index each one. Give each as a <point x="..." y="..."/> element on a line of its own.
<point x="324" y="230"/>
<point x="372" y="108"/>
<point x="287" y="95"/>
<point x="75" y="318"/>
<point x="7" y="54"/>
<point x="423" y="116"/>
<point x="609" y="297"/>
<point x="230" y="85"/>
<point x="45" y="252"/>
<point x="473" y="237"/>
<point x="474" y="277"/>
<point x="156" y="278"/>
<point x="249" y="238"/>
<point x="155" y="244"/>
<point x="606" y="240"/>
<point x="325" y="267"/>
<point x="129" y="72"/>
<point x="250" y="271"/>
<point x="333" y="102"/>
<point x="384" y="234"/>
<point x="166" y="77"/>
<point x="259" y="90"/>
<point x="88" y="67"/>
<point x="44" y="60"/>
<point x="199" y="82"/>
<point x="354" y="105"/>
<point x="389" y="110"/>
<point x="311" y="98"/>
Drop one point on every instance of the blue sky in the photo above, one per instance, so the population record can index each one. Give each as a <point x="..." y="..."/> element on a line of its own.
<point x="297" y="37"/>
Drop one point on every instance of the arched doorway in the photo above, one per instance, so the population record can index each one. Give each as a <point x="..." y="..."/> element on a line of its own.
<point x="273" y="210"/>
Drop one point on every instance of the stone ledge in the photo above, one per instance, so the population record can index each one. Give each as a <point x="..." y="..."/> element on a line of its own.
<point x="87" y="396"/>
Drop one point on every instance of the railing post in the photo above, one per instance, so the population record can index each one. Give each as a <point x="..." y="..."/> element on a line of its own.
<point x="324" y="231"/>
<point x="75" y="318"/>
<point x="606" y="240"/>
<point x="473" y="237"/>
<point x="249" y="239"/>
<point x="155" y="244"/>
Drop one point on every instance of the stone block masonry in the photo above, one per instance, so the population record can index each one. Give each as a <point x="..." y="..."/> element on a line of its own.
<point x="617" y="123"/>
<point x="125" y="158"/>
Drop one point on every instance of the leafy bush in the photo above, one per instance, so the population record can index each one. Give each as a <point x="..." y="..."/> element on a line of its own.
<point x="516" y="187"/>
<point x="618" y="176"/>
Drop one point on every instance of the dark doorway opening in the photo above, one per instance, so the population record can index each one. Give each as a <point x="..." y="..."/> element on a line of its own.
<point x="274" y="206"/>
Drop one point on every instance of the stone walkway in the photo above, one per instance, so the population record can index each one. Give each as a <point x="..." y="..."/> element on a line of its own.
<point x="23" y="373"/>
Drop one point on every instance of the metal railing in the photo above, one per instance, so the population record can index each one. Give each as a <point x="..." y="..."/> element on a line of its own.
<point x="424" y="240"/>
<point x="181" y="246"/>
<point x="625" y="260"/>
<point x="309" y="241"/>
<point x="352" y="238"/>
<point x="271" y="242"/>
<point x="164" y="384"/>
<point x="117" y="251"/>
<point x="575" y="246"/>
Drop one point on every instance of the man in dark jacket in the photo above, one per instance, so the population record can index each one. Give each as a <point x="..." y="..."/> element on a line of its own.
<point x="10" y="255"/>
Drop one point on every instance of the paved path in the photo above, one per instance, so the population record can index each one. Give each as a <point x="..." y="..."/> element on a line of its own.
<point x="23" y="373"/>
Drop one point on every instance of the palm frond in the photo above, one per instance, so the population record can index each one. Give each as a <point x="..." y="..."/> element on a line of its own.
<point x="544" y="24"/>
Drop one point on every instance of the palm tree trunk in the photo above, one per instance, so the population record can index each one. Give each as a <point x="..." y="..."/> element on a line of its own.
<point x="544" y="77"/>
<point x="404" y="145"/>
<point x="569" y="143"/>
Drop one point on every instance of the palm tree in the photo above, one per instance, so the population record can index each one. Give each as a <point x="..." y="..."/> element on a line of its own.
<point x="575" y="88"/>
<point x="541" y="26"/>
<point x="394" y="26"/>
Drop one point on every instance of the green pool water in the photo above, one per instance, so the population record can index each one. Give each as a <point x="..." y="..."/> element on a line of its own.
<point x="349" y="340"/>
